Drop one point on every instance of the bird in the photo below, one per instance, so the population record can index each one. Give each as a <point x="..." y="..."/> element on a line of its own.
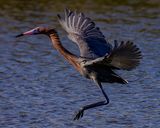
<point x="98" y="58"/>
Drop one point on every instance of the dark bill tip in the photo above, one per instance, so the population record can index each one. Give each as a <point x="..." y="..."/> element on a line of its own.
<point x="19" y="35"/>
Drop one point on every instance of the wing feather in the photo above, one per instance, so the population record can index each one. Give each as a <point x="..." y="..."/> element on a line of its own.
<point x="124" y="56"/>
<point x="83" y="31"/>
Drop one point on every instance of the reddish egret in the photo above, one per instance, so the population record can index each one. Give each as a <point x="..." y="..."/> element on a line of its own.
<point x="98" y="59"/>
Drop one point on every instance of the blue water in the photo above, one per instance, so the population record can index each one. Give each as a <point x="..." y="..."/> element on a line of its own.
<point x="39" y="89"/>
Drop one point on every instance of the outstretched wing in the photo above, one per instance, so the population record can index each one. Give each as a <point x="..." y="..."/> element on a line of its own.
<point x="85" y="34"/>
<point x="123" y="56"/>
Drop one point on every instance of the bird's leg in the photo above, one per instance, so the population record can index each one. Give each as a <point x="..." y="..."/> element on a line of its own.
<point x="105" y="102"/>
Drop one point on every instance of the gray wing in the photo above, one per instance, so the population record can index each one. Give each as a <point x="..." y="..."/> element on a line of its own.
<point x="124" y="56"/>
<point x="85" y="34"/>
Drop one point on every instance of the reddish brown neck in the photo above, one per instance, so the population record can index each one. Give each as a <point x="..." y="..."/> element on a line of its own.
<point x="71" y="58"/>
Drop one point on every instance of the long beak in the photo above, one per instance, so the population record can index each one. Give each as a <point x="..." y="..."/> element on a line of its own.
<point x="31" y="32"/>
<point x="19" y="35"/>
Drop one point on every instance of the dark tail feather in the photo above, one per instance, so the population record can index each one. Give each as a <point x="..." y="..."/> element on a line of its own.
<point x="118" y="79"/>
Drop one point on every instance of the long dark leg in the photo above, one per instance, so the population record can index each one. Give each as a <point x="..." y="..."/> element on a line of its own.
<point x="81" y="111"/>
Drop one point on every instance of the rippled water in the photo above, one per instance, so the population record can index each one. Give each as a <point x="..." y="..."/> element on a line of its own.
<point x="39" y="89"/>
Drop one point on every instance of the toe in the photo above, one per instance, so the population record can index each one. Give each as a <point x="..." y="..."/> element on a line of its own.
<point x="79" y="114"/>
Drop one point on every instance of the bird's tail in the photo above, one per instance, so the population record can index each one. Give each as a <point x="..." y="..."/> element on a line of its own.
<point x="117" y="79"/>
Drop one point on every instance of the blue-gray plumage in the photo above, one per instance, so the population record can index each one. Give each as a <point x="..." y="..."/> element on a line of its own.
<point x="98" y="59"/>
<point x="92" y="44"/>
<point x="85" y="34"/>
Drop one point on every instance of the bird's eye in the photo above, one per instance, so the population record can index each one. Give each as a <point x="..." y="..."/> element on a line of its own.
<point x="38" y="30"/>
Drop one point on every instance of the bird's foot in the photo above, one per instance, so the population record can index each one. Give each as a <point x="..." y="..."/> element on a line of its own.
<point x="79" y="114"/>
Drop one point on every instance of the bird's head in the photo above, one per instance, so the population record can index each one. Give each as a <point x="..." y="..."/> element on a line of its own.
<point x="38" y="30"/>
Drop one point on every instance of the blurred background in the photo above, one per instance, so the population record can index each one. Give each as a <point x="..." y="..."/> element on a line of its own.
<point x="39" y="89"/>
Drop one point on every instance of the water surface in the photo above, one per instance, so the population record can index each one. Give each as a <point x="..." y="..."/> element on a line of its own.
<point x="39" y="89"/>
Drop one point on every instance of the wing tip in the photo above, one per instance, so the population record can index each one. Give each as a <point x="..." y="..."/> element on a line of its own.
<point x="79" y="23"/>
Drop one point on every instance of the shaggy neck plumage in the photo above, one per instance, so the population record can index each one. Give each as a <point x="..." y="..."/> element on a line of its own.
<point x="71" y="58"/>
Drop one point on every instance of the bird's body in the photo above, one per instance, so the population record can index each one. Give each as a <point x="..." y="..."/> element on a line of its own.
<point x="98" y="59"/>
<point x="99" y="72"/>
